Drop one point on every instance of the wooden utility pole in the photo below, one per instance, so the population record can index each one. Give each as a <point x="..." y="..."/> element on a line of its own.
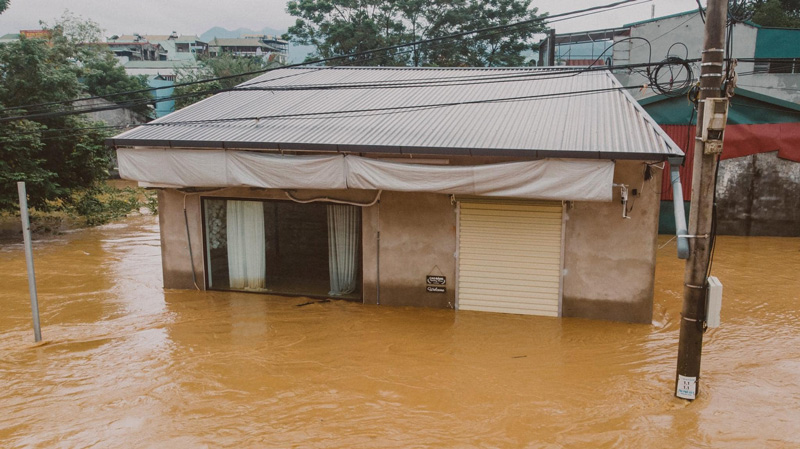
<point x="551" y="47"/>
<point x="708" y="145"/>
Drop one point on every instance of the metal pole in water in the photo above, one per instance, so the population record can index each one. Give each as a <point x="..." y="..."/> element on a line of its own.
<point x="26" y="235"/>
<point x="378" y="258"/>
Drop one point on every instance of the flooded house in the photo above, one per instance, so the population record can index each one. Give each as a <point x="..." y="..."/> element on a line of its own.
<point x="527" y="191"/>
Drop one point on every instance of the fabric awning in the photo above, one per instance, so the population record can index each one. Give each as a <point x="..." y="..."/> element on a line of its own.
<point x="546" y="179"/>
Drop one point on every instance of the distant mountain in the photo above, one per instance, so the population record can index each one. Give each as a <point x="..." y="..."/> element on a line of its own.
<point x="297" y="53"/>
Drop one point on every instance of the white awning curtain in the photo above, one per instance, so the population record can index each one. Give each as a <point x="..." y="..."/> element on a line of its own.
<point x="547" y="179"/>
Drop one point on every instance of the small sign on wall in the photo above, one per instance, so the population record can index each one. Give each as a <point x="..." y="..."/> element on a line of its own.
<point x="435" y="280"/>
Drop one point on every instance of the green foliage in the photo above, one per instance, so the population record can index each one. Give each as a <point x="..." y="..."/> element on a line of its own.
<point x="777" y="13"/>
<point x="340" y="27"/>
<point x="224" y="65"/>
<point x="4" y="4"/>
<point x="20" y="160"/>
<point x="103" y="203"/>
<point x="151" y="202"/>
<point x="54" y="154"/>
<point x="57" y="155"/>
<point x="32" y="71"/>
<point x="74" y="31"/>
<point x="77" y="39"/>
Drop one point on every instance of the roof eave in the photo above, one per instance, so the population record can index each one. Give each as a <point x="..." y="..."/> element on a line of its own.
<point x="372" y="149"/>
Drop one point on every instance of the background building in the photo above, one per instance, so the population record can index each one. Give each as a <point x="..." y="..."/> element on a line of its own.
<point x="759" y="176"/>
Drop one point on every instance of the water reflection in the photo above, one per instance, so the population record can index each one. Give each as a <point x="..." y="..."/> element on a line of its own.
<point x="131" y="365"/>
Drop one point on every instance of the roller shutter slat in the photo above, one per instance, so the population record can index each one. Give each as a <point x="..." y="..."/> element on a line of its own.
<point x="510" y="258"/>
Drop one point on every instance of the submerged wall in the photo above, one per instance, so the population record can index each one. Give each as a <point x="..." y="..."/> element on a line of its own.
<point x="174" y="242"/>
<point x="418" y="238"/>
<point x="175" y="261"/>
<point x="759" y="195"/>
<point x="609" y="261"/>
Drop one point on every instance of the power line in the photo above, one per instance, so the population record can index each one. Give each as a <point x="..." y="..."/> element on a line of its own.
<point x="423" y="82"/>
<point x="364" y="112"/>
<point x="394" y="108"/>
<point x="447" y="81"/>
<point x="539" y="19"/>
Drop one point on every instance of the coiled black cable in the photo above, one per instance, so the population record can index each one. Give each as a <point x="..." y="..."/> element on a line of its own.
<point x="679" y="74"/>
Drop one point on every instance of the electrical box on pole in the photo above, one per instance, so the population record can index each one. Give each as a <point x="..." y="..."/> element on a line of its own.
<point x="715" y="115"/>
<point x="713" y="302"/>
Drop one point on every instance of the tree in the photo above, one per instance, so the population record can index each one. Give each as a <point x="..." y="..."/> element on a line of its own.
<point x="225" y="65"/>
<point x="21" y="160"/>
<point x="80" y="40"/>
<point x="777" y="13"/>
<point x="341" y="27"/>
<point x="4" y="4"/>
<point x="492" y="49"/>
<point x="53" y="154"/>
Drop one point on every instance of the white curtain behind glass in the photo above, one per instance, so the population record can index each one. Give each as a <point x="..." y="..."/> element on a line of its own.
<point x="246" y="245"/>
<point x="343" y="239"/>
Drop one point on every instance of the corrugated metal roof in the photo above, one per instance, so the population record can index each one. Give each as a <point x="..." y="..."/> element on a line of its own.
<point x="510" y="112"/>
<point x="173" y="64"/>
<point x="236" y="42"/>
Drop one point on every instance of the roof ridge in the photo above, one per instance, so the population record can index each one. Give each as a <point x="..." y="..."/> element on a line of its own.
<point x="522" y="68"/>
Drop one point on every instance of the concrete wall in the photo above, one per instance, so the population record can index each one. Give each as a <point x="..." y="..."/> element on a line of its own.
<point x="609" y="261"/>
<point x="418" y="238"/>
<point x="756" y="195"/>
<point x="785" y="86"/>
<point x="112" y="117"/>
<point x="759" y="195"/>
<point x="175" y="261"/>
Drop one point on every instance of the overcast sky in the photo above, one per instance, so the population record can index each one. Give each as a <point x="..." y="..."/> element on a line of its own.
<point x="197" y="16"/>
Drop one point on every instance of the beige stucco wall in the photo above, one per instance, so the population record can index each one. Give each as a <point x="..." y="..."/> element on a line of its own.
<point x="418" y="234"/>
<point x="174" y="242"/>
<point x="609" y="261"/>
<point x="418" y="238"/>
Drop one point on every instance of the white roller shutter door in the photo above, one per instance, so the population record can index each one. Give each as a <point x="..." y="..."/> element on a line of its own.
<point x="510" y="257"/>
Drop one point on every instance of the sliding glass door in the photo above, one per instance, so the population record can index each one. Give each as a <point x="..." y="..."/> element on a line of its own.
<point x="283" y="247"/>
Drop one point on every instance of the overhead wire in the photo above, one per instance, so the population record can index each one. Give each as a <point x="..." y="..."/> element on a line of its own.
<point x="388" y="109"/>
<point x="151" y="101"/>
<point x="540" y="19"/>
<point x="414" y="83"/>
<point x="367" y="112"/>
<point x="701" y="11"/>
<point x="549" y="74"/>
<point x="462" y="81"/>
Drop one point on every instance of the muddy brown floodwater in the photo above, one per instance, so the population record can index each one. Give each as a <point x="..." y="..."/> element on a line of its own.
<point x="128" y="364"/>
